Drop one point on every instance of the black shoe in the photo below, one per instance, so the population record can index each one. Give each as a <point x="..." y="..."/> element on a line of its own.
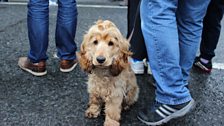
<point x="205" y="67"/>
<point x="161" y="113"/>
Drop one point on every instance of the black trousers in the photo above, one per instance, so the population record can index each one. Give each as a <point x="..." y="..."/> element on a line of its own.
<point x="211" y="29"/>
<point x="134" y="23"/>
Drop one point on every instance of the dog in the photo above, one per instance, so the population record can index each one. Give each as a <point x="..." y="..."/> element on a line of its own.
<point x="104" y="55"/>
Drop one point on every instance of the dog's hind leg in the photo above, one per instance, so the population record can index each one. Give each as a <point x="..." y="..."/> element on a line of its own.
<point x="131" y="96"/>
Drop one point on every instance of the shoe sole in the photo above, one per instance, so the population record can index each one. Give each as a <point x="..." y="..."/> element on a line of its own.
<point x="202" y="67"/>
<point x="32" y="72"/>
<point x="177" y="114"/>
<point x="138" y="71"/>
<point x="68" y="70"/>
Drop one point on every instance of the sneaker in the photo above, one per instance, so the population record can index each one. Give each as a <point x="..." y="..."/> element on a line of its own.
<point x="53" y="3"/>
<point x="137" y="66"/>
<point x="162" y="113"/>
<point x="37" y="69"/>
<point x="206" y="67"/>
<point x="67" y="65"/>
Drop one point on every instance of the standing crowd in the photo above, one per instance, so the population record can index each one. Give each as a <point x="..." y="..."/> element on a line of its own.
<point x="165" y="33"/>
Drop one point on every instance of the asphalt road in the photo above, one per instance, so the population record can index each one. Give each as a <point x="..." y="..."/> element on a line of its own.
<point x="60" y="99"/>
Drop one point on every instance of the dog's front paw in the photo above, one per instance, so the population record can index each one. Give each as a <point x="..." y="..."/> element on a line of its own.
<point x="92" y="112"/>
<point x="111" y="122"/>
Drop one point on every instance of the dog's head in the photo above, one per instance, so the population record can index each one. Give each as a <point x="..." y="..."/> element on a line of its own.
<point x="104" y="46"/>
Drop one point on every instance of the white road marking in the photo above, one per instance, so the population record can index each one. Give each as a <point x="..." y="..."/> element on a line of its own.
<point x="78" y="5"/>
<point x="103" y="6"/>
<point x="218" y="66"/>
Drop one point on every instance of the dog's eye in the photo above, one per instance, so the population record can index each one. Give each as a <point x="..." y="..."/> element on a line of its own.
<point x="95" y="42"/>
<point x="110" y="43"/>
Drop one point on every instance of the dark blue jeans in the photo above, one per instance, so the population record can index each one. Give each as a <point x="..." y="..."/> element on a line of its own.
<point x="211" y="29"/>
<point x="38" y="29"/>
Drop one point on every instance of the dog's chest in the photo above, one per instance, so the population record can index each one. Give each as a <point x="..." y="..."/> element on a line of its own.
<point x="106" y="87"/>
<point x="101" y="83"/>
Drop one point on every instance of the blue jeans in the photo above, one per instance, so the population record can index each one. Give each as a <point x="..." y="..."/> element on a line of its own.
<point x="38" y="29"/>
<point x="172" y="31"/>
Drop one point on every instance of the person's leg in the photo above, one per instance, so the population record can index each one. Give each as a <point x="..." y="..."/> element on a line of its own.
<point x="38" y="22"/>
<point x="210" y="35"/>
<point x="132" y="8"/>
<point x="211" y="29"/>
<point x="189" y="28"/>
<point x="159" y="26"/>
<point x="66" y="29"/>
<point x="65" y="34"/>
<point x="161" y="38"/>
<point x="137" y="41"/>
<point x="136" y="38"/>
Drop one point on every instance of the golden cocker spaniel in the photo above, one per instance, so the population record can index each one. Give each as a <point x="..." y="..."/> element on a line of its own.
<point x="104" y="55"/>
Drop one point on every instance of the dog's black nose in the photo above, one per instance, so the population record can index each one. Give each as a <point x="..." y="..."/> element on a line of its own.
<point x="100" y="59"/>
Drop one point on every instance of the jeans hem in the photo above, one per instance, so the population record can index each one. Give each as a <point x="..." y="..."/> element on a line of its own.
<point x="173" y="102"/>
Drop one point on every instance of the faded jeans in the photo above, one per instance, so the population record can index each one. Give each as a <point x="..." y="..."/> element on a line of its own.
<point x="172" y="31"/>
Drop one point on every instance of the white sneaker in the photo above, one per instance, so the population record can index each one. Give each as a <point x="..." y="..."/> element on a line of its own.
<point x="137" y="66"/>
<point x="149" y="69"/>
<point x="53" y="3"/>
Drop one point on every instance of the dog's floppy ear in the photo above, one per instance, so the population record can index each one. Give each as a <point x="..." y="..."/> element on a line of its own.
<point x="83" y="58"/>
<point x="121" y="62"/>
<point x="117" y="66"/>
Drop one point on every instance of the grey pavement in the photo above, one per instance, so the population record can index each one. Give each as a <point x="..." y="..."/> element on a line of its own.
<point x="60" y="99"/>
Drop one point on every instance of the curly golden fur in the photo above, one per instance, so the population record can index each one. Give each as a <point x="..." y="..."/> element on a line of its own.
<point x="104" y="55"/>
